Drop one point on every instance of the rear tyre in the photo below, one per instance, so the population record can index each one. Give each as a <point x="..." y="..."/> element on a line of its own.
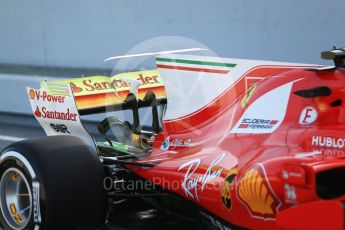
<point x="51" y="183"/>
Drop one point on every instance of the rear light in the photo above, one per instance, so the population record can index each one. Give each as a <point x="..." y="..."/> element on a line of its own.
<point x="323" y="106"/>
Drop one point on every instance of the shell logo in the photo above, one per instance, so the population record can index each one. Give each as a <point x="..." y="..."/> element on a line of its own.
<point x="256" y="194"/>
<point x="32" y="94"/>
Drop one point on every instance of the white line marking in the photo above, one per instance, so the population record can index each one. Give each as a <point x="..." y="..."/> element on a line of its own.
<point x="11" y="138"/>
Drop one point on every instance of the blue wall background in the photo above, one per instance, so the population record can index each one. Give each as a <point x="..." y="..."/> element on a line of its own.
<point x="81" y="33"/>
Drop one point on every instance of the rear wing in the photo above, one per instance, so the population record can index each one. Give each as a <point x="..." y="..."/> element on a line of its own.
<point x="57" y="105"/>
<point x="54" y="107"/>
<point x="98" y="94"/>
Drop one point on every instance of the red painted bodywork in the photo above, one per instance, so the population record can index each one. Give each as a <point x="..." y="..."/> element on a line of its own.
<point x="289" y="148"/>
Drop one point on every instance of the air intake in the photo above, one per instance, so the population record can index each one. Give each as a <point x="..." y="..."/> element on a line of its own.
<point x="330" y="183"/>
<point x="337" y="55"/>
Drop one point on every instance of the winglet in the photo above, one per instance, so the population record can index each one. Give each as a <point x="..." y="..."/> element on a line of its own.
<point x="155" y="53"/>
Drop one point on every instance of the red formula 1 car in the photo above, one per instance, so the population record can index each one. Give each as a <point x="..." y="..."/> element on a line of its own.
<point x="228" y="143"/>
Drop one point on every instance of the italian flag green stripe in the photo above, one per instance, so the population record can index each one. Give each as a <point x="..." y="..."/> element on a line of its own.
<point x="194" y="62"/>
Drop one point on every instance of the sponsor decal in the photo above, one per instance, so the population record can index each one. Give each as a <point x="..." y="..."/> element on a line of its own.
<point x="255" y="192"/>
<point x="309" y="115"/>
<point x="54" y="107"/>
<point x="294" y="174"/>
<point x="76" y="89"/>
<point x="14" y="176"/>
<point x="44" y="96"/>
<point x="37" y="112"/>
<point x="176" y="143"/>
<point x="257" y="124"/>
<point x="60" y="128"/>
<point x="53" y="114"/>
<point x="166" y="144"/>
<point x="286" y="174"/>
<point x="266" y="113"/>
<point x="36" y="203"/>
<point x="103" y="84"/>
<point x="32" y="94"/>
<point x="290" y="193"/>
<point x="328" y="142"/>
<point x="248" y="95"/>
<point x="191" y="184"/>
<point x="329" y="152"/>
<point x="227" y="188"/>
<point x="96" y="91"/>
<point x="249" y="81"/>
<point x="15" y="214"/>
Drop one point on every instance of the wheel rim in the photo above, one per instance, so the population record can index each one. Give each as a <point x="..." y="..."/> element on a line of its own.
<point x="15" y="199"/>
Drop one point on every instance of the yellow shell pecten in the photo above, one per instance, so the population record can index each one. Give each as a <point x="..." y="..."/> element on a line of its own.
<point x="254" y="192"/>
